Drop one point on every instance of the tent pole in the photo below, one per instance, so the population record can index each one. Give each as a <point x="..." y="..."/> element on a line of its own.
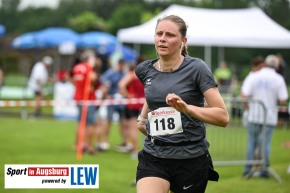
<point x="207" y="55"/>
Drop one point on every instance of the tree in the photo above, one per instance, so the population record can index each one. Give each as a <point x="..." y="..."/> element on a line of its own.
<point x="87" y="21"/>
<point x="278" y="10"/>
<point x="9" y="5"/>
<point x="125" y="16"/>
<point x="8" y="13"/>
<point x="34" y="19"/>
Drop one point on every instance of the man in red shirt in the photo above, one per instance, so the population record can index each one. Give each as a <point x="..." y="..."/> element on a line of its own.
<point x="84" y="78"/>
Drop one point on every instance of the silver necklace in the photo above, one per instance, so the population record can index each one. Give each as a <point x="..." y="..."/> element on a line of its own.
<point x="169" y="69"/>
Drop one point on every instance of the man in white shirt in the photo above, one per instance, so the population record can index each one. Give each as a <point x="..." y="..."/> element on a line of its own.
<point x="38" y="78"/>
<point x="257" y="63"/>
<point x="268" y="88"/>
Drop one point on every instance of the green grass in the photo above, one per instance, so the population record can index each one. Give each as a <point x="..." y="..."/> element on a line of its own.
<point x="49" y="142"/>
<point x="46" y="141"/>
<point x="29" y="110"/>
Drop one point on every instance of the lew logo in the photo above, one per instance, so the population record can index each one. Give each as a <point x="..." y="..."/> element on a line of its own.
<point x="84" y="175"/>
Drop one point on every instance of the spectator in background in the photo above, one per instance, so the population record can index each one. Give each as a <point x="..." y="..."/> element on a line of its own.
<point x="223" y="76"/>
<point x="269" y="87"/>
<point x="84" y="78"/>
<point x="111" y="79"/>
<point x="257" y="63"/>
<point x="131" y="87"/>
<point x="100" y="92"/>
<point x="38" y="78"/>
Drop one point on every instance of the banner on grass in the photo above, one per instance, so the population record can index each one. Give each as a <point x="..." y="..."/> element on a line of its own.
<point x="51" y="176"/>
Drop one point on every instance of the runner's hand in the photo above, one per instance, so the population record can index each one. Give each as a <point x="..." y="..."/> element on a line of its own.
<point x="175" y="101"/>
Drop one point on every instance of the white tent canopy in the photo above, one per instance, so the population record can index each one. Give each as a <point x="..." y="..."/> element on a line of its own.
<point x="249" y="28"/>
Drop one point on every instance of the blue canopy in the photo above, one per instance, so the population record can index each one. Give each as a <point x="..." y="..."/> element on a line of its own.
<point x="47" y="38"/>
<point x="2" y="30"/>
<point x="54" y="36"/>
<point x="25" y="41"/>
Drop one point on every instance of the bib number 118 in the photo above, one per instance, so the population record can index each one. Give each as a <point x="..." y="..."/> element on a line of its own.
<point x="163" y="124"/>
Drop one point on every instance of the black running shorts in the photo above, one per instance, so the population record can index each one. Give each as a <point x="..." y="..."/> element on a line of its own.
<point x="184" y="175"/>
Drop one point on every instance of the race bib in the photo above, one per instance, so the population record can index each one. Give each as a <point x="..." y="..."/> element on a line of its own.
<point x="165" y="121"/>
